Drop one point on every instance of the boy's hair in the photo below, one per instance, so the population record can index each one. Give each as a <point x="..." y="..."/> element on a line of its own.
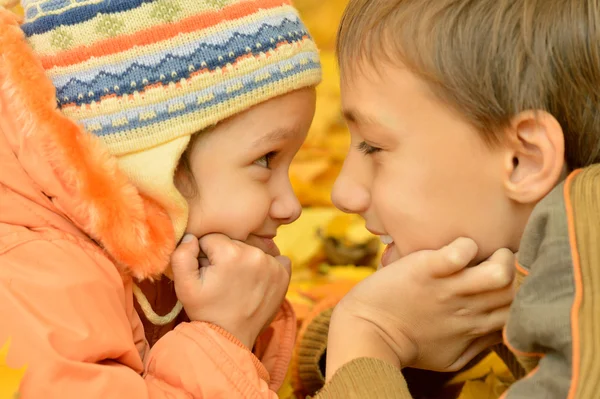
<point x="491" y="59"/>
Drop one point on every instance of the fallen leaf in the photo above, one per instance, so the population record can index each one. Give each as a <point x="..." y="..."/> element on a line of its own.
<point x="10" y="378"/>
<point x="492" y="387"/>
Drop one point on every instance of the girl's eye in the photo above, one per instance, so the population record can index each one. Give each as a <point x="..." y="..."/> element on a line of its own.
<point x="367" y="149"/>
<point x="265" y="160"/>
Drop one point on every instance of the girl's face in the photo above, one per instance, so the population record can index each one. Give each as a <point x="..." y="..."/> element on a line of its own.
<point x="239" y="184"/>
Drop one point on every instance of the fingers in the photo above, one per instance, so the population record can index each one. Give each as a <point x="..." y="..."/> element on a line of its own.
<point x="477" y="325"/>
<point x="496" y="273"/>
<point x="488" y="301"/>
<point x="503" y="255"/>
<point x="453" y="257"/>
<point x="184" y="259"/>
<point x="204" y="262"/>
<point x="490" y="322"/>
<point x="218" y="247"/>
<point x="475" y="348"/>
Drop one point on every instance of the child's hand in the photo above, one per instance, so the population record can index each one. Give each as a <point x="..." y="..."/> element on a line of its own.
<point x="426" y="310"/>
<point x="239" y="288"/>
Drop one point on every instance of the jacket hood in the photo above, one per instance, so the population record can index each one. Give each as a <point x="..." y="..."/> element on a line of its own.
<point x="55" y="174"/>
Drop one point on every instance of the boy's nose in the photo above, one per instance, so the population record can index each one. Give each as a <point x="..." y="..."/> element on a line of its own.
<point x="349" y="194"/>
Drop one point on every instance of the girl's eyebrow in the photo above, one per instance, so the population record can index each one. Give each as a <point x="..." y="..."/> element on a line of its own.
<point x="277" y="135"/>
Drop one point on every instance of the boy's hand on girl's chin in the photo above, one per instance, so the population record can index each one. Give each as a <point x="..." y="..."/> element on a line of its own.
<point x="426" y="310"/>
<point x="234" y="285"/>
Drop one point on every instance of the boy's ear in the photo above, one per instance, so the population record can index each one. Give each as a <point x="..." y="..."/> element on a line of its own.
<point x="536" y="157"/>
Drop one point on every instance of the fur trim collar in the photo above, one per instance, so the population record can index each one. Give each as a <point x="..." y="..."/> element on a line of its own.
<point x="93" y="192"/>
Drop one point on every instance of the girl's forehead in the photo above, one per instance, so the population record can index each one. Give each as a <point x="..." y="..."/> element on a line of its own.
<point x="277" y="120"/>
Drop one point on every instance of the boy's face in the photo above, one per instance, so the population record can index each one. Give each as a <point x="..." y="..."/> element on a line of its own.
<point x="240" y="171"/>
<point x="418" y="172"/>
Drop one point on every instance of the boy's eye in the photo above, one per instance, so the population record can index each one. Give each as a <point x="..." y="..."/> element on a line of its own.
<point x="367" y="149"/>
<point x="265" y="160"/>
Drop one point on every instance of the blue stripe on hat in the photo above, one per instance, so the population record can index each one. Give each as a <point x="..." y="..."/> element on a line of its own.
<point x="171" y="69"/>
<point x="74" y="16"/>
<point x="191" y="100"/>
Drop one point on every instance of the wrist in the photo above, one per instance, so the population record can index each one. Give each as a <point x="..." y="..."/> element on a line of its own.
<point x="247" y="340"/>
<point x="352" y="337"/>
<point x="241" y="340"/>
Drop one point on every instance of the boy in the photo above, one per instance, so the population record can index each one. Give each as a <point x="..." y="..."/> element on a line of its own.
<point x="466" y="116"/>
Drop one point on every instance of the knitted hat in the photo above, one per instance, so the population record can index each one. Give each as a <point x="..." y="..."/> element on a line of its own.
<point x="144" y="75"/>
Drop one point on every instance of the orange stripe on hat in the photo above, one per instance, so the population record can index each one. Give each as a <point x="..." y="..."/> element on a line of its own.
<point x="158" y="33"/>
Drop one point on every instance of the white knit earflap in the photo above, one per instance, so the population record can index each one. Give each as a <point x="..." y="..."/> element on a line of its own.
<point x="150" y="314"/>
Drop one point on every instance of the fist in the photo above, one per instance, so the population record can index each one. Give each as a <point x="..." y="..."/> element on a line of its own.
<point x="229" y="284"/>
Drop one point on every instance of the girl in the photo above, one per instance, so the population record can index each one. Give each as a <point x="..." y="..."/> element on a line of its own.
<point x="173" y="116"/>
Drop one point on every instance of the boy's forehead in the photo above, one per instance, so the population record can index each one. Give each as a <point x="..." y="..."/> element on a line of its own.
<point x="368" y="102"/>
<point x="360" y="99"/>
<point x="388" y="96"/>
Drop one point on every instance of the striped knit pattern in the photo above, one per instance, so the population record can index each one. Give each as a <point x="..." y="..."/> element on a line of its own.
<point x="140" y="73"/>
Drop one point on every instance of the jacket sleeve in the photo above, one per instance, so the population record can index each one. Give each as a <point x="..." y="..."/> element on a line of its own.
<point x="70" y="321"/>
<point x="553" y="322"/>
<point x="275" y="345"/>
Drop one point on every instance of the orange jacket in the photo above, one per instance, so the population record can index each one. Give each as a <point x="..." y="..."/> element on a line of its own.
<point x="73" y="231"/>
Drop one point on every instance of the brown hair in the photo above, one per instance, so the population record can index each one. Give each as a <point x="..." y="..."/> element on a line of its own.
<point x="184" y="175"/>
<point x="491" y="59"/>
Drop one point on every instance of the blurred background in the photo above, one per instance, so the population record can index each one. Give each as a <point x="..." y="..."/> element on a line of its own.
<point x="331" y="251"/>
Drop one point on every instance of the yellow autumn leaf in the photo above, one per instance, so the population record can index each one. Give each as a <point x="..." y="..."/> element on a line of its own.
<point x="314" y="12"/>
<point x="358" y="233"/>
<point x="10" y="379"/>
<point x="350" y="273"/>
<point x="311" y="193"/>
<point x="492" y="387"/>
<point x="286" y="391"/>
<point x="299" y="241"/>
<point x="338" y="227"/>
<point x="492" y="363"/>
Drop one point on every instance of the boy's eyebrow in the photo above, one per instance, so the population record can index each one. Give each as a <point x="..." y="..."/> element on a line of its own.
<point x="356" y="117"/>
<point x="280" y="134"/>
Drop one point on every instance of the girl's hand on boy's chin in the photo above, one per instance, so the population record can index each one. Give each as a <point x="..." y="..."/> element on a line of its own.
<point x="426" y="310"/>
<point x="236" y="286"/>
